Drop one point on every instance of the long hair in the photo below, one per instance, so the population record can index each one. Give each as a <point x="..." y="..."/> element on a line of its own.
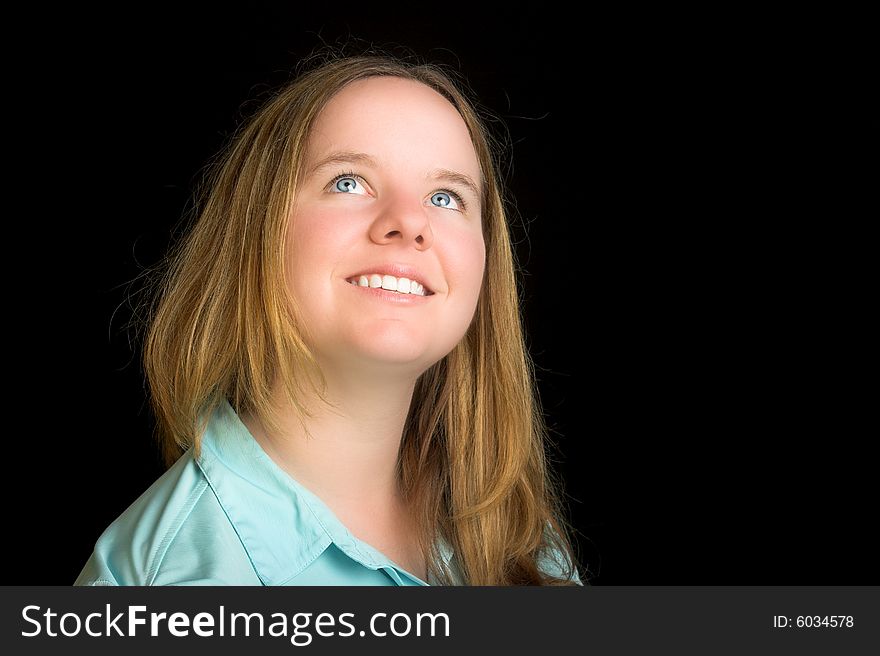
<point x="473" y="460"/>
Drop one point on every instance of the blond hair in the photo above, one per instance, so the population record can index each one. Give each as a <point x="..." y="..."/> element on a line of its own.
<point x="222" y="324"/>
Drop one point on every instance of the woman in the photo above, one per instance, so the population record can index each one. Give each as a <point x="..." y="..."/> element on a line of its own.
<point x="336" y="358"/>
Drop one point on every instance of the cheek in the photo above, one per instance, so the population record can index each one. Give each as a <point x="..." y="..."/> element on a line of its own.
<point x="466" y="266"/>
<point x="310" y="247"/>
<point x="316" y="241"/>
<point x="306" y="240"/>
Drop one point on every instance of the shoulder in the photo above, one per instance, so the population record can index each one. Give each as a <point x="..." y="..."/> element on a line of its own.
<point x="558" y="565"/>
<point x="175" y="533"/>
<point x="556" y="562"/>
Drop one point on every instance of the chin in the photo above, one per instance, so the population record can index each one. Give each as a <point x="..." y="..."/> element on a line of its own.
<point x="402" y="355"/>
<point x="402" y="349"/>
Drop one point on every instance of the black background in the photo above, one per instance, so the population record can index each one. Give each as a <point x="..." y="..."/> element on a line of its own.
<point x="678" y="315"/>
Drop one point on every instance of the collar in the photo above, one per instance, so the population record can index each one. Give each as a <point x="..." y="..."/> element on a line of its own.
<point x="282" y="525"/>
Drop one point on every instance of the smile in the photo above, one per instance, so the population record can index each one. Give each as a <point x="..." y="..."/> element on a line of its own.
<point x="403" y="286"/>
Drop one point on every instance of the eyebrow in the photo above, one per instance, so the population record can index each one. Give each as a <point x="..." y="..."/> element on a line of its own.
<point x="350" y="157"/>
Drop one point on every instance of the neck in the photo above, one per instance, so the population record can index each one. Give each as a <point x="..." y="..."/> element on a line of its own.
<point x="350" y="460"/>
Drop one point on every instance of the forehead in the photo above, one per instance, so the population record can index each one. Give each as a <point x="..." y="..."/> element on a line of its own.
<point x="398" y="121"/>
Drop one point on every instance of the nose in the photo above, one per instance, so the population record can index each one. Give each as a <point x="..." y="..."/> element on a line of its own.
<point x="406" y="220"/>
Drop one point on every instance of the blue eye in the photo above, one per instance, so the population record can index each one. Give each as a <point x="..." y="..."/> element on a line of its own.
<point x="443" y="199"/>
<point x="345" y="183"/>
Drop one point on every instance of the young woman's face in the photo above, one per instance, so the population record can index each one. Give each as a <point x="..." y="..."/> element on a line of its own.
<point x="354" y="217"/>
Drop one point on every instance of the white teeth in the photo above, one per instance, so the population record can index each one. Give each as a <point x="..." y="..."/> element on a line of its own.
<point x="389" y="283"/>
<point x="400" y="285"/>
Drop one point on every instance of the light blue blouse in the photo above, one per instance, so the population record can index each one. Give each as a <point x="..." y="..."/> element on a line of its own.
<point x="234" y="517"/>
